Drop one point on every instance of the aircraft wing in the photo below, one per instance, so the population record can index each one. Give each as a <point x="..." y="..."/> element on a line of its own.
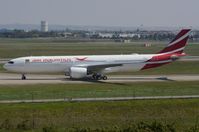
<point x="98" y="67"/>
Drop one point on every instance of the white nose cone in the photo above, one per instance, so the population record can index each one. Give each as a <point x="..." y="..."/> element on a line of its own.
<point x="8" y="66"/>
<point x="5" y="66"/>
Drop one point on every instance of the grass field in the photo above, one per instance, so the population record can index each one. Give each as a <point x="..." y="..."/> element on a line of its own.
<point x="182" y="114"/>
<point x="11" y="48"/>
<point x="53" y="91"/>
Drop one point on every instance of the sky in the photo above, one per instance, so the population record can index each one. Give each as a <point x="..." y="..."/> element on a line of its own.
<point x="126" y="13"/>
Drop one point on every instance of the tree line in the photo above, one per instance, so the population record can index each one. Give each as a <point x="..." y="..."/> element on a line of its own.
<point x="149" y="35"/>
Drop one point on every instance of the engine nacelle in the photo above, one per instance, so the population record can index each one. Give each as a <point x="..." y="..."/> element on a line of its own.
<point x="78" y="72"/>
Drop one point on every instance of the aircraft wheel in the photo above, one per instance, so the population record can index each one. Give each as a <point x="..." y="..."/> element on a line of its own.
<point x="94" y="76"/>
<point x="97" y="76"/>
<point x="104" y="78"/>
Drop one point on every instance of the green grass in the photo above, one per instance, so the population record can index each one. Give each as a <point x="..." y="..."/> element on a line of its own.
<point x="2" y="69"/>
<point x="62" y="116"/>
<point x="11" y="48"/>
<point x="53" y="91"/>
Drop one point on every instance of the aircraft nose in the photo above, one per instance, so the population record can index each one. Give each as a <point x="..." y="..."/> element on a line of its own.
<point x="5" y="66"/>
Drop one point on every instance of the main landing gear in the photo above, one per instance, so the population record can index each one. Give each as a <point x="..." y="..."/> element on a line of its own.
<point x="98" y="76"/>
<point x="23" y="77"/>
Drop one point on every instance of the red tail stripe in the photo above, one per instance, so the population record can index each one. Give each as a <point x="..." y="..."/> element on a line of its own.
<point x="176" y="46"/>
<point x="148" y="66"/>
<point x="182" y="33"/>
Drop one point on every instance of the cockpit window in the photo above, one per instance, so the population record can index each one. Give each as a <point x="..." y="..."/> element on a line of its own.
<point x="27" y="60"/>
<point x="10" y="62"/>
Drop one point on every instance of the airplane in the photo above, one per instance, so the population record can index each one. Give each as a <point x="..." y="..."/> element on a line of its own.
<point x="96" y="66"/>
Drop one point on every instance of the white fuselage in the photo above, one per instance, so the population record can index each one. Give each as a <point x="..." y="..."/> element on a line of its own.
<point x="62" y="64"/>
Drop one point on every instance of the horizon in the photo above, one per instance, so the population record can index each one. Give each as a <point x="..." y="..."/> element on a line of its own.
<point x="89" y="27"/>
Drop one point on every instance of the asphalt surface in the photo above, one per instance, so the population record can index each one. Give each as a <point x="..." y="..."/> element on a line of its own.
<point x="99" y="99"/>
<point x="189" y="58"/>
<point x="12" y="79"/>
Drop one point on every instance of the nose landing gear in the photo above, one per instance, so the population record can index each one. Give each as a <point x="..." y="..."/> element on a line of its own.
<point x="23" y="77"/>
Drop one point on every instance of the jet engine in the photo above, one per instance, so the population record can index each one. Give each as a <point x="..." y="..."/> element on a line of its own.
<point x="78" y="72"/>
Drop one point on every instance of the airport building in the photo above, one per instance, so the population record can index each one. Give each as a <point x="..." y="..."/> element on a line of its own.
<point x="44" y="26"/>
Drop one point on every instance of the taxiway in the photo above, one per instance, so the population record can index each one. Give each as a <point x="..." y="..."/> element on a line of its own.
<point x="98" y="99"/>
<point x="12" y="79"/>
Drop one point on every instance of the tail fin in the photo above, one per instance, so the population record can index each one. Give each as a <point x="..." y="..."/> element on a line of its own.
<point x="178" y="44"/>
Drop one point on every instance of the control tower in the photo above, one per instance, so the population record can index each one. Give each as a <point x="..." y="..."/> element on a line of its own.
<point x="44" y="26"/>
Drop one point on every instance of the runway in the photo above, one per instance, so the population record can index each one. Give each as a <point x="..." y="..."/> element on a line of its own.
<point x="15" y="79"/>
<point x="99" y="99"/>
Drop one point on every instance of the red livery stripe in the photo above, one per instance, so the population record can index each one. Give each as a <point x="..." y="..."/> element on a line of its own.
<point x="179" y="35"/>
<point x="157" y="61"/>
<point x="148" y="66"/>
<point x="179" y="42"/>
<point x="178" y="45"/>
<point x="159" y="58"/>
